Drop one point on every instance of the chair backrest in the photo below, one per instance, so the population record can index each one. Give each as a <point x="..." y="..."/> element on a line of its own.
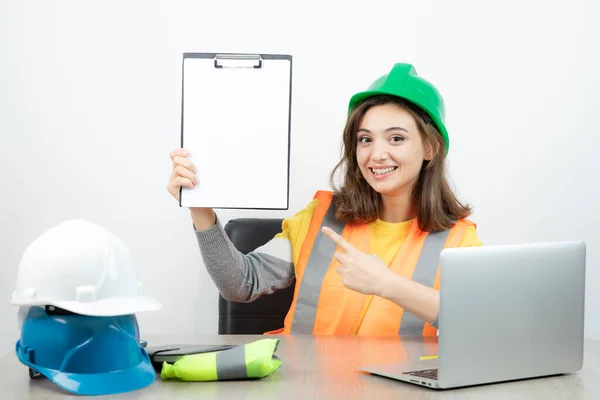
<point x="268" y="311"/>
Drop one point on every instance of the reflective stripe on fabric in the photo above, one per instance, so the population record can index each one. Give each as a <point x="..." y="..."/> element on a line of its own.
<point x="314" y="272"/>
<point x="424" y="273"/>
<point x="231" y="364"/>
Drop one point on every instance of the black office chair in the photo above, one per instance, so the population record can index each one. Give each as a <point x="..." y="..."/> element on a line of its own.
<point x="268" y="311"/>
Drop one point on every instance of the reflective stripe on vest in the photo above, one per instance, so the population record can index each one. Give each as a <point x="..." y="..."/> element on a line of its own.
<point x="424" y="273"/>
<point x="320" y="258"/>
<point x="316" y="268"/>
<point x="231" y="364"/>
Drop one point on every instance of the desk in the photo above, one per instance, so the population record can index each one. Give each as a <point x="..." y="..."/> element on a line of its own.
<point x="323" y="368"/>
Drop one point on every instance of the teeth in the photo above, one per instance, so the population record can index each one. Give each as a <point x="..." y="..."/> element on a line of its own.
<point x="382" y="171"/>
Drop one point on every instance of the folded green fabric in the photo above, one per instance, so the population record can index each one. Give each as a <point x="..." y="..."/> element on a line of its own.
<point x="250" y="361"/>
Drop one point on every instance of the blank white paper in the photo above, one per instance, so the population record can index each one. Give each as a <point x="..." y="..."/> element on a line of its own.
<point x="236" y="128"/>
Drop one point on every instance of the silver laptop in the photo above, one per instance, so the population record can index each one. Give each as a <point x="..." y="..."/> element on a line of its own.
<point x="506" y="313"/>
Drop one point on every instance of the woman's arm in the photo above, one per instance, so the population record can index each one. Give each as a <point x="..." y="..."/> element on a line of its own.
<point x="239" y="277"/>
<point x="368" y="274"/>
<point x="414" y="297"/>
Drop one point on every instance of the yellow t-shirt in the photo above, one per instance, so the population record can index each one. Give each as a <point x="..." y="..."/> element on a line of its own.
<point x="385" y="238"/>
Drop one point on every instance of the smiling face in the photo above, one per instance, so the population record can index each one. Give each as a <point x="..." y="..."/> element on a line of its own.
<point x="393" y="167"/>
<point x="390" y="150"/>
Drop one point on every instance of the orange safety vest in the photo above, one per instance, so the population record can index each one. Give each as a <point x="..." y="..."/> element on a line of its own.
<point x="322" y="305"/>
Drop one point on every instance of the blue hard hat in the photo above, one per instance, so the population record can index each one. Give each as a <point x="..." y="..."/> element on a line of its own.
<point x="85" y="355"/>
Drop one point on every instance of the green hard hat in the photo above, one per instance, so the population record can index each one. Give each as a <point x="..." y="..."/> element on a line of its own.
<point x="402" y="81"/>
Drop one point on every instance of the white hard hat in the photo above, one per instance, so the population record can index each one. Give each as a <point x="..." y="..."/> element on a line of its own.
<point x="80" y="267"/>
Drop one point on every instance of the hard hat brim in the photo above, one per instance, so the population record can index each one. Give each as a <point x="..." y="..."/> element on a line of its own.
<point x="114" y="382"/>
<point x="111" y="307"/>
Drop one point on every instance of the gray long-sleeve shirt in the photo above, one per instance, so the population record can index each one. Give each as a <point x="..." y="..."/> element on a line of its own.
<point x="239" y="277"/>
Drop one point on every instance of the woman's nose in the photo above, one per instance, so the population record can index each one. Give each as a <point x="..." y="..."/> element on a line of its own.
<point x="380" y="152"/>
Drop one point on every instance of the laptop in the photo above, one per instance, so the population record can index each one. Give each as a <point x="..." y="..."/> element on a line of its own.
<point x="507" y="312"/>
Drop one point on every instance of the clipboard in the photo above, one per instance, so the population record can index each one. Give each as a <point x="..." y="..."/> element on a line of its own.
<point x="172" y="353"/>
<point x="236" y="124"/>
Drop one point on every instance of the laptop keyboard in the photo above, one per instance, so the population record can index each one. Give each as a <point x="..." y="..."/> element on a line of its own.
<point x="425" y="373"/>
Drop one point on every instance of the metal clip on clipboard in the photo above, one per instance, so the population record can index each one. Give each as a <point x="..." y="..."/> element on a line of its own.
<point x="238" y="61"/>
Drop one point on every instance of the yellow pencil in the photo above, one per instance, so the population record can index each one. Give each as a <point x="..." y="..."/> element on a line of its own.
<point x="428" y="357"/>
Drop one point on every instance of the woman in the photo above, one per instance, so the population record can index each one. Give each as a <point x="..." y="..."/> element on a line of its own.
<point x="389" y="221"/>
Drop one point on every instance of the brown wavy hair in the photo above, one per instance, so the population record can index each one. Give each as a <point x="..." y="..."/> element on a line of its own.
<point x="357" y="202"/>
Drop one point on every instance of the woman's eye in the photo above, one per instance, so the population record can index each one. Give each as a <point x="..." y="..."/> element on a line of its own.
<point x="364" y="139"/>
<point x="397" y="139"/>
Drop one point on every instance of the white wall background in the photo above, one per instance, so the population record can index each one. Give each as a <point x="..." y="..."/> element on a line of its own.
<point x="90" y="108"/>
